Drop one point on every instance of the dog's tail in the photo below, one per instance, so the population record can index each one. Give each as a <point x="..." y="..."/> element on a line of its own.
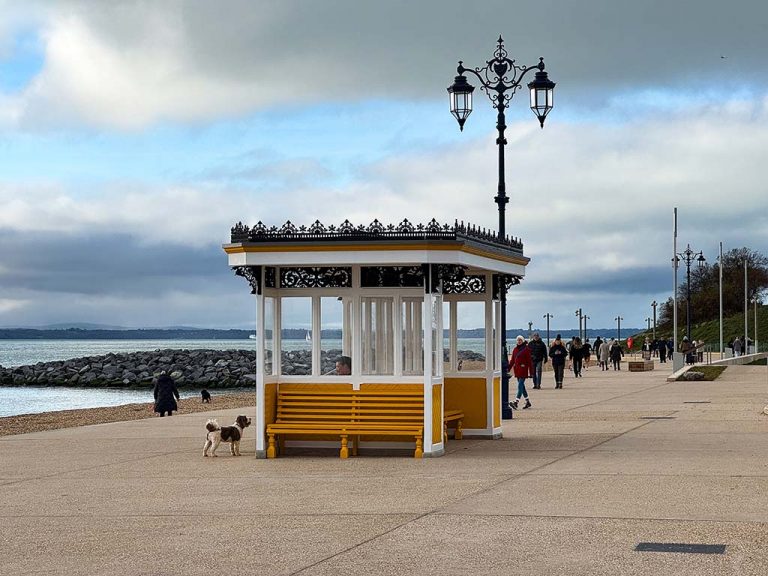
<point x="212" y="425"/>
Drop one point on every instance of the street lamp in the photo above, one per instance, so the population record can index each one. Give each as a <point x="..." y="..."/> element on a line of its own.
<point x="653" y="305"/>
<point x="618" y="327"/>
<point x="500" y="78"/>
<point x="548" y="316"/>
<point x="579" y="314"/>
<point x="530" y="327"/>
<point x="585" y="327"/>
<point x="649" y="323"/>
<point x="689" y="256"/>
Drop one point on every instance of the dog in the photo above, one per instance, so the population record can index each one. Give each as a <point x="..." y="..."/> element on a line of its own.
<point x="218" y="434"/>
<point x="206" y="396"/>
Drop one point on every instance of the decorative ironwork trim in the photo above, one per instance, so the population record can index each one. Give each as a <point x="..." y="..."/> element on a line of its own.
<point x="252" y="274"/>
<point x="391" y="276"/>
<point x="316" y="277"/>
<point x="471" y="284"/>
<point x="509" y="281"/>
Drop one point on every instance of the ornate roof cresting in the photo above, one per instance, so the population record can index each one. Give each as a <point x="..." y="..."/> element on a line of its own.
<point x="346" y="231"/>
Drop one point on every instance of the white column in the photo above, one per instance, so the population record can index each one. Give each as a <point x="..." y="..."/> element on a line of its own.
<point x="261" y="450"/>
<point x="427" y="315"/>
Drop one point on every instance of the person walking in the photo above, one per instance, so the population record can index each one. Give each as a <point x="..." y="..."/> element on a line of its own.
<point x="604" y="354"/>
<point x="688" y="349"/>
<point x="558" y="353"/>
<point x="616" y="354"/>
<point x="662" y="348"/>
<point x="166" y="394"/>
<point x="539" y="356"/>
<point x="737" y="346"/>
<point x="576" y="355"/>
<point x="522" y="367"/>
<point x="587" y="353"/>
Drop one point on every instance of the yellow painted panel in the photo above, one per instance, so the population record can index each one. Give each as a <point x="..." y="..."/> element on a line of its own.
<point x="437" y="413"/>
<point x="468" y="395"/>
<point x="314" y="387"/>
<point x="496" y="402"/>
<point x="394" y="387"/>
<point x="270" y="403"/>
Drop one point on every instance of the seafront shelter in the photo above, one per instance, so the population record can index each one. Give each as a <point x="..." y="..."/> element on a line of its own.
<point x="391" y="301"/>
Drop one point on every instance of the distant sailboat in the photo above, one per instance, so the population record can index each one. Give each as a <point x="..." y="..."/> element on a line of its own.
<point x="308" y="337"/>
<point x="252" y="336"/>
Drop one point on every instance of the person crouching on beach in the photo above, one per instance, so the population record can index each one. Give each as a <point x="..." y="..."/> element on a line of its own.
<point x="166" y="394"/>
<point x="521" y="362"/>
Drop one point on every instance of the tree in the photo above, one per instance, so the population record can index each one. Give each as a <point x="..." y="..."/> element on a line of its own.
<point x="705" y="291"/>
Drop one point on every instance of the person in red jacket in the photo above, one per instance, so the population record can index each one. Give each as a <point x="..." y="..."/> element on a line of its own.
<point x="521" y="363"/>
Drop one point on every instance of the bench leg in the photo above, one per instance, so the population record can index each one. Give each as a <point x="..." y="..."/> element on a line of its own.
<point x="271" y="452"/>
<point x="445" y="433"/>
<point x="419" y="448"/>
<point x="355" y="444"/>
<point x="344" y="453"/>
<point x="458" y="435"/>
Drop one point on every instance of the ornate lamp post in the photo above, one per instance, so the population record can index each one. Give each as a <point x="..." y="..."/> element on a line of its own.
<point x="500" y="78"/>
<point x="618" y="327"/>
<point x="530" y="327"/>
<point x="653" y="305"/>
<point x="689" y="256"/>
<point x="585" y="317"/>
<point x="649" y="323"/>
<point x="548" y="316"/>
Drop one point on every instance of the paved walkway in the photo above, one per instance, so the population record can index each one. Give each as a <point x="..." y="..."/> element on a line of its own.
<point x="577" y="483"/>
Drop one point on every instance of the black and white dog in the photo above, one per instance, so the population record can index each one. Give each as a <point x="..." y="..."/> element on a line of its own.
<point x="218" y="434"/>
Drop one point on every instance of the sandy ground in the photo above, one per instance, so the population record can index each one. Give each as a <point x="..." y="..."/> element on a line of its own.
<point x="72" y="418"/>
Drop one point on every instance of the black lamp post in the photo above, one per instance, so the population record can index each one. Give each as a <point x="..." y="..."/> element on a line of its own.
<point x="579" y="314"/>
<point x="618" y="327"/>
<point x="653" y="305"/>
<point x="586" y="337"/>
<point x="530" y="327"/>
<point x="689" y="256"/>
<point x="649" y="323"/>
<point x="548" y="316"/>
<point x="500" y="78"/>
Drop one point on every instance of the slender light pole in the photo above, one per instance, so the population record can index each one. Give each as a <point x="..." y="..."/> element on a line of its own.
<point x="618" y="327"/>
<point x="585" y="327"/>
<point x="720" y="266"/>
<point x="653" y="305"/>
<point x="548" y="316"/>
<point x="746" y="327"/>
<point x="530" y="327"/>
<point x="756" y="349"/>
<point x="500" y="78"/>
<point x="674" y="287"/>
<point x="649" y="323"/>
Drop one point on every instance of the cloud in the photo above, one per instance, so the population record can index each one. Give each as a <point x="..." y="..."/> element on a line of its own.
<point x="129" y="65"/>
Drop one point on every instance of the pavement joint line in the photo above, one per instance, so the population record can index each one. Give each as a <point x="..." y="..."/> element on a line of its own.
<point x="614" y="518"/>
<point x="442" y="508"/>
<point x="617" y="397"/>
<point x="55" y="474"/>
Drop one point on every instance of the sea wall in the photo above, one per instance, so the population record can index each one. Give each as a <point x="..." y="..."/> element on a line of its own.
<point x="208" y="368"/>
<point x="188" y="368"/>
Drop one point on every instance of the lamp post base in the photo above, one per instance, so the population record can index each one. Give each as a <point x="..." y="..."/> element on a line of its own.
<point x="506" y="413"/>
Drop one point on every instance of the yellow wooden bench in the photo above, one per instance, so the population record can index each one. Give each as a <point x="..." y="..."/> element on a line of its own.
<point x="350" y="415"/>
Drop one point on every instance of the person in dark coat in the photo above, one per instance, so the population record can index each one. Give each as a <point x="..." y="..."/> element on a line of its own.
<point x="616" y="354"/>
<point x="662" y="347"/>
<point x="539" y="356"/>
<point x="521" y="363"/>
<point x="166" y="395"/>
<point x="558" y="353"/>
<point x="576" y="354"/>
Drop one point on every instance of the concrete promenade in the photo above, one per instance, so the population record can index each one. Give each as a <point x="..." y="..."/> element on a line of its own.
<point x="612" y="460"/>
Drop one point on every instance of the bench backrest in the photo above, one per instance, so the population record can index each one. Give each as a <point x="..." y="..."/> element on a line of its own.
<point x="351" y="406"/>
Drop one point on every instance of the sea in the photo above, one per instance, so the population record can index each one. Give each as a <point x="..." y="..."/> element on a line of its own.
<point x="32" y="400"/>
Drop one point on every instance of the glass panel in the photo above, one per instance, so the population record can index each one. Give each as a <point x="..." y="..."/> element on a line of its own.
<point x="413" y="336"/>
<point x="296" y="336"/>
<point x="446" y="337"/>
<point x="470" y="334"/>
<point x="437" y="341"/>
<point x="332" y="337"/>
<point x="378" y="342"/>
<point x="269" y="336"/>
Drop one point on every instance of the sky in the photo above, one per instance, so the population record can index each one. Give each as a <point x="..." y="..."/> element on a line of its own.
<point x="133" y="135"/>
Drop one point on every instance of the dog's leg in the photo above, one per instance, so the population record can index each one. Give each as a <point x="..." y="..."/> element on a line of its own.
<point x="232" y="448"/>
<point x="208" y="444"/>
<point x="216" y="443"/>
<point x="236" y="448"/>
